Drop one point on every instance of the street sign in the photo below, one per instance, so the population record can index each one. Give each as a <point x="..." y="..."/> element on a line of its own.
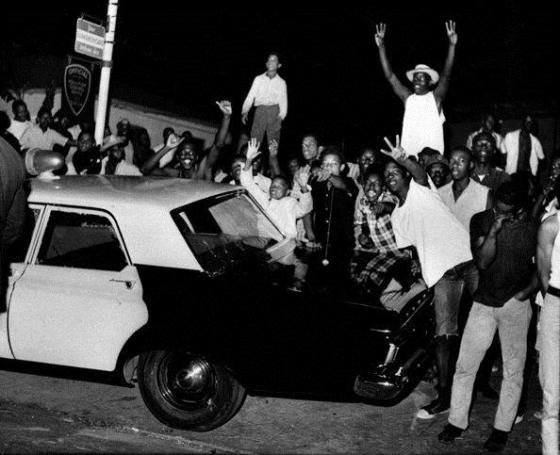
<point x="90" y="38"/>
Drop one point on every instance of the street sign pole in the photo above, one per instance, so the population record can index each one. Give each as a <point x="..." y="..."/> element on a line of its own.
<point x="105" y="78"/>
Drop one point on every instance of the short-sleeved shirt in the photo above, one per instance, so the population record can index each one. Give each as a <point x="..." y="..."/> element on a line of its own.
<point x="426" y="223"/>
<point x="472" y="200"/>
<point x="513" y="267"/>
<point x="492" y="180"/>
<point x="35" y="137"/>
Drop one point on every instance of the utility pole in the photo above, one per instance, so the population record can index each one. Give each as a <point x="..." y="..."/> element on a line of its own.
<point x="107" y="63"/>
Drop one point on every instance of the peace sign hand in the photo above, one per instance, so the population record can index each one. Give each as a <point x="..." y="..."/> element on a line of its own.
<point x="451" y="33"/>
<point x="396" y="151"/>
<point x="380" y="34"/>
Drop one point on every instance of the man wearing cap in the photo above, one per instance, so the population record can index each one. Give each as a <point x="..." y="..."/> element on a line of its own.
<point x="423" y="114"/>
<point x="114" y="163"/>
<point x="435" y="164"/>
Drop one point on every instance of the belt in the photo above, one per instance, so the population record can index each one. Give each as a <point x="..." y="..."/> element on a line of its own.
<point x="553" y="291"/>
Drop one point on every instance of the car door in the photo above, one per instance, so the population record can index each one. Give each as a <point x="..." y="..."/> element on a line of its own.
<point x="78" y="299"/>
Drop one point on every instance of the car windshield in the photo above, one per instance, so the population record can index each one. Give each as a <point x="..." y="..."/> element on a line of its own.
<point x="221" y="230"/>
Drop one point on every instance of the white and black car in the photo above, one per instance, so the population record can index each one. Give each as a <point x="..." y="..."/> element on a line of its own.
<point x="176" y="282"/>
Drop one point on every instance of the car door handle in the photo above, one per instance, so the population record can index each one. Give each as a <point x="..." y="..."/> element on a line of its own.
<point x="127" y="283"/>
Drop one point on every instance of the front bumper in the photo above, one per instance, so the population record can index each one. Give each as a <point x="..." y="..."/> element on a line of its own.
<point x="388" y="382"/>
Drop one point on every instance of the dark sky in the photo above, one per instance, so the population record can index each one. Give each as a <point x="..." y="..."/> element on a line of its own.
<point x="186" y="56"/>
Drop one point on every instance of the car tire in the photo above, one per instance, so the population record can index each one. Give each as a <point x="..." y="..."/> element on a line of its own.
<point x="188" y="392"/>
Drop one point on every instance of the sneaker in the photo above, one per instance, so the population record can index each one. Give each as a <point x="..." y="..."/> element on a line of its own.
<point x="497" y="441"/>
<point x="519" y="418"/>
<point x="433" y="409"/>
<point x="450" y="433"/>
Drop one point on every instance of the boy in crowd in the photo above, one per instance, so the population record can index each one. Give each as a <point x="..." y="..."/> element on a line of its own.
<point x="188" y="164"/>
<point x="269" y="94"/>
<point x="503" y="242"/>
<point x="522" y="149"/>
<point x="114" y="163"/>
<point x="376" y="251"/>
<point x="423" y="114"/>
<point x="423" y="221"/>
<point x="465" y="198"/>
<point x="484" y="172"/>
<point x="436" y="166"/>
<point x="283" y="209"/>
<point x="43" y="137"/>
<point x="487" y="125"/>
<point x="21" y="120"/>
<point x="334" y="197"/>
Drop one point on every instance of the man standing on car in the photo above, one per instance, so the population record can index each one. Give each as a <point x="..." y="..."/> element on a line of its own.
<point x="12" y="207"/>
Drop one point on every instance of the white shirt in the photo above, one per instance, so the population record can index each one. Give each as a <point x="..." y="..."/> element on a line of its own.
<point x="17" y="128"/>
<point x="510" y="146"/>
<point x="284" y="212"/>
<point x="426" y="223"/>
<point x="497" y="137"/>
<point x="123" y="168"/>
<point x="35" y="137"/>
<point x="422" y="124"/>
<point x="267" y="92"/>
<point x="555" y="260"/>
<point x="473" y="199"/>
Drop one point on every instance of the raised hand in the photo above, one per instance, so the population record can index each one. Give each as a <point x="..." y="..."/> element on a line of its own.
<point x="225" y="107"/>
<point x="172" y="141"/>
<point x="396" y="151"/>
<point x="252" y="150"/>
<point x="273" y="148"/>
<point x="320" y="174"/>
<point x="380" y="34"/>
<point x="302" y="178"/>
<point x="451" y="33"/>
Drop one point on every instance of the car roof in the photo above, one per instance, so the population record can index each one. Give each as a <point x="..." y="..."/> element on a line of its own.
<point x="162" y="193"/>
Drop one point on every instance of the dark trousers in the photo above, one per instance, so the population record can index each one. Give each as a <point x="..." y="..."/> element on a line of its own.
<point x="266" y="120"/>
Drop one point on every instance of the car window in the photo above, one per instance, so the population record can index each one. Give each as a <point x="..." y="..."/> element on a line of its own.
<point x="222" y="228"/>
<point x="81" y="240"/>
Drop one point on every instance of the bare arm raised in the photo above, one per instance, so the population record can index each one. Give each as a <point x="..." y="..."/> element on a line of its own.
<point x="399" y="155"/>
<point x="441" y="90"/>
<point x="400" y="90"/>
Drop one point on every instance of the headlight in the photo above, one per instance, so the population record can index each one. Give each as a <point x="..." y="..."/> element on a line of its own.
<point x="43" y="162"/>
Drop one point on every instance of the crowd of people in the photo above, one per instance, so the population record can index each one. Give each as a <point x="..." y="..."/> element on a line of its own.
<point x="473" y="222"/>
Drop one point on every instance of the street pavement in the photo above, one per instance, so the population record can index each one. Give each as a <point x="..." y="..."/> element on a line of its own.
<point x="43" y="412"/>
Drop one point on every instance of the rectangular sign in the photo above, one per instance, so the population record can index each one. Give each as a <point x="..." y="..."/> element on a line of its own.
<point x="90" y="39"/>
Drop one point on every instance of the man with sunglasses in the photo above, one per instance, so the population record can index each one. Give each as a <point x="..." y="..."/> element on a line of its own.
<point x="503" y="242"/>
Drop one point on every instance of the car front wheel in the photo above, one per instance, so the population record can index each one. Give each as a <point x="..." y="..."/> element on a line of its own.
<point x="188" y="392"/>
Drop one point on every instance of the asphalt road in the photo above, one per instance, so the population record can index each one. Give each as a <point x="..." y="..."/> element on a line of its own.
<point x="40" y="411"/>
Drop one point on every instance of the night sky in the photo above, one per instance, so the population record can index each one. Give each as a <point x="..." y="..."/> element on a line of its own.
<point x="183" y="59"/>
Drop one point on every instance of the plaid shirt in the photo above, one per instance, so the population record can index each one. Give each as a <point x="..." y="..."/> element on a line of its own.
<point x="370" y="267"/>
<point x="380" y="227"/>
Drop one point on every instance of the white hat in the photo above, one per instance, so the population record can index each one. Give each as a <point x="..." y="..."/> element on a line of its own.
<point x="111" y="140"/>
<point x="434" y="76"/>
